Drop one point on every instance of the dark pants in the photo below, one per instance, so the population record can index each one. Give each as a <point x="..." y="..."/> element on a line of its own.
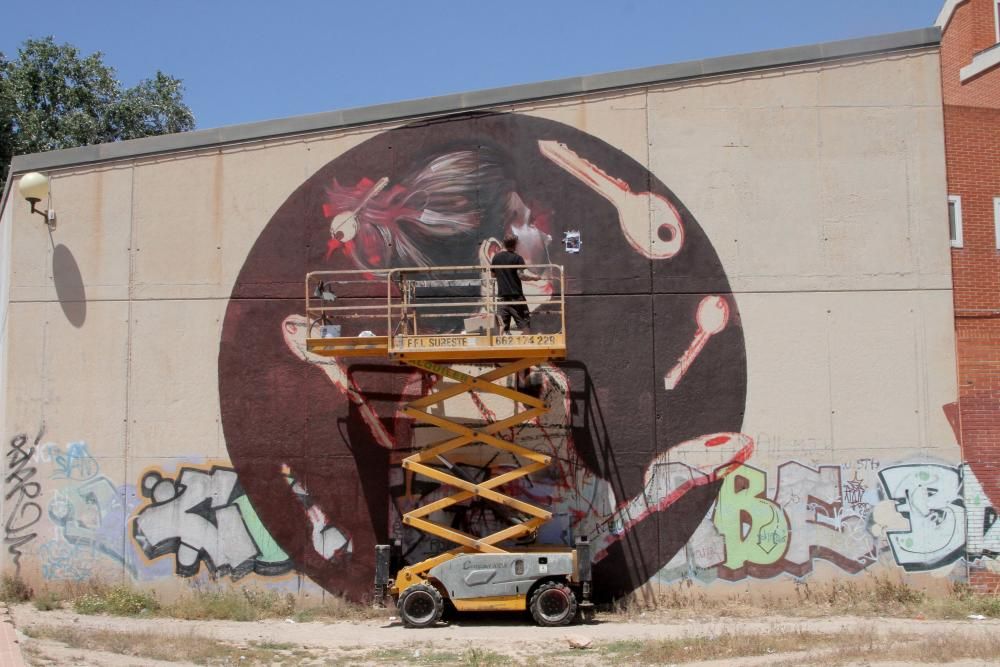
<point x="516" y="307"/>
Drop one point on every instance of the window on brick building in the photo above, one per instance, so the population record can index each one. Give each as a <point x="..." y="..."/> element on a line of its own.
<point x="955" y="220"/>
<point x="996" y="18"/>
<point x="996" y="220"/>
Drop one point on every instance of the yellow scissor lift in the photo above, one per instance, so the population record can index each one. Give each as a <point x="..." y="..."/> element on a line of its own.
<point x="435" y="317"/>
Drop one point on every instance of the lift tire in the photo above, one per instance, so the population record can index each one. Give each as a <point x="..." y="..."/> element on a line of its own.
<point x="420" y="606"/>
<point x="553" y="604"/>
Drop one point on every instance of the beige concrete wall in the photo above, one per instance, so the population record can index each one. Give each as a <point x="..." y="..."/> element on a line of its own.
<point x="820" y="188"/>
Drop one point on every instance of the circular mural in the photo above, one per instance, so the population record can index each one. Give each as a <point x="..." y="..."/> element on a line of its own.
<point x="655" y="374"/>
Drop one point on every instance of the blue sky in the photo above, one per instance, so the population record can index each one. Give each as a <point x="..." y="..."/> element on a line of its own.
<point x="255" y="60"/>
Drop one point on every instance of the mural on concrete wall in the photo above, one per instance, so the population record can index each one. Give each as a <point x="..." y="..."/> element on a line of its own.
<point x="656" y="380"/>
<point x="657" y="357"/>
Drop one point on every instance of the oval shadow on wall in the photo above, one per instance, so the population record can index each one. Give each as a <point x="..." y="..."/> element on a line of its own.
<point x="69" y="285"/>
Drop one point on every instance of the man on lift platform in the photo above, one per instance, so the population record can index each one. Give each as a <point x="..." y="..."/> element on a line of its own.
<point x="510" y="293"/>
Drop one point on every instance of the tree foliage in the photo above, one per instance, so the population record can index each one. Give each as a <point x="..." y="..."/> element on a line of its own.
<point x="51" y="97"/>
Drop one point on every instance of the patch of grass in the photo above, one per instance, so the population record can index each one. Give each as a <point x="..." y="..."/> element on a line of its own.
<point x="622" y="647"/>
<point x="393" y="655"/>
<point x="415" y="655"/>
<point x="14" y="589"/>
<point x="174" y="648"/>
<point x="268" y="645"/>
<point x="724" y="646"/>
<point x="227" y="604"/>
<point x="47" y="601"/>
<point x="118" y="600"/>
<point x="890" y="592"/>
<point x="478" y="657"/>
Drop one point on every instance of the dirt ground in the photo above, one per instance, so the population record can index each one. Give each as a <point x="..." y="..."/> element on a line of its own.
<point x="62" y="637"/>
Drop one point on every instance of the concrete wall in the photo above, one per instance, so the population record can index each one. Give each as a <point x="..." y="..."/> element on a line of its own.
<point x="160" y="425"/>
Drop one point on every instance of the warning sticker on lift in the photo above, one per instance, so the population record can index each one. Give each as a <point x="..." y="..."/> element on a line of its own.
<point x="525" y="340"/>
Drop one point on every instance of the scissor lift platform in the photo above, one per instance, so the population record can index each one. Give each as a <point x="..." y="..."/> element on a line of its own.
<point x="414" y="304"/>
<point x="430" y="318"/>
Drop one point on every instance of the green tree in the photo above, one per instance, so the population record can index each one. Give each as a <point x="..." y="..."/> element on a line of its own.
<point x="51" y="97"/>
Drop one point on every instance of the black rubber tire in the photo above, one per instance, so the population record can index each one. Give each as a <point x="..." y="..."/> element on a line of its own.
<point x="420" y="606"/>
<point x="553" y="604"/>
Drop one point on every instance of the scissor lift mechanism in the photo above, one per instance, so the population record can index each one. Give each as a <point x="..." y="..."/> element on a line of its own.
<point x="481" y="572"/>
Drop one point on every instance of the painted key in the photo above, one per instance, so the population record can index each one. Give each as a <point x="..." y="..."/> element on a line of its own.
<point x="711" y="318"/>
<point x="651" y="224"/>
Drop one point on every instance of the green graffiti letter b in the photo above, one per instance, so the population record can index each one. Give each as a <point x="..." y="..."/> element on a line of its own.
<point x="755" y="529"/>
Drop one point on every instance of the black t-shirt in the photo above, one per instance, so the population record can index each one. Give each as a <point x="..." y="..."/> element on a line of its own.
<point x="508" y="280"/>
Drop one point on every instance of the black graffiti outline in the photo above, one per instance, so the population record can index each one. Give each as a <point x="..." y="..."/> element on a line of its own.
<point x="26" y="491"/>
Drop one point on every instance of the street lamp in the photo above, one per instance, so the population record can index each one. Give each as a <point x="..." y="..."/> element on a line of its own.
<point x="33" y="186"/>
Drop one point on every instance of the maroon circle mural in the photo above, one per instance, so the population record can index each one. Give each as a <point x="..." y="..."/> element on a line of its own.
<point x="656" y="368"/>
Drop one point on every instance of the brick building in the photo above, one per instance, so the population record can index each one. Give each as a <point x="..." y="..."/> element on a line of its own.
<point x="970" y="71"/>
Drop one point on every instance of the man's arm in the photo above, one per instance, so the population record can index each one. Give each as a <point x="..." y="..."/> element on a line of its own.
<point x="525" y="274"/>
<point x="528" y="274"/>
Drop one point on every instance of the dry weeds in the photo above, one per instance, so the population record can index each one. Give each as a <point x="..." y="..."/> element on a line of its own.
<point x="941" y="649"/>
<point x="13" y="589"/>
<point x="188" y="647"/>
<point x="209" y="603"/>
<point x="723" y="646"/>
<point x="880" y="596"/>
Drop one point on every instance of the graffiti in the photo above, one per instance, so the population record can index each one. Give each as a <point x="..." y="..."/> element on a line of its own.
<point x="75" y="463"/>
<point x="204" y="517"/>
<point x="854" y="495"/>
<point x="754" y="528"/>
<point x="753" y="531"/>
<point x="921" y="516"/>
<point x="930" y="497"/>
<point x="948" y="515"/>
<point x="18" y="484"/>
<point x="806" y="519"/>
<point x="982" y="527"/>
<point x="88" y="514"/>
